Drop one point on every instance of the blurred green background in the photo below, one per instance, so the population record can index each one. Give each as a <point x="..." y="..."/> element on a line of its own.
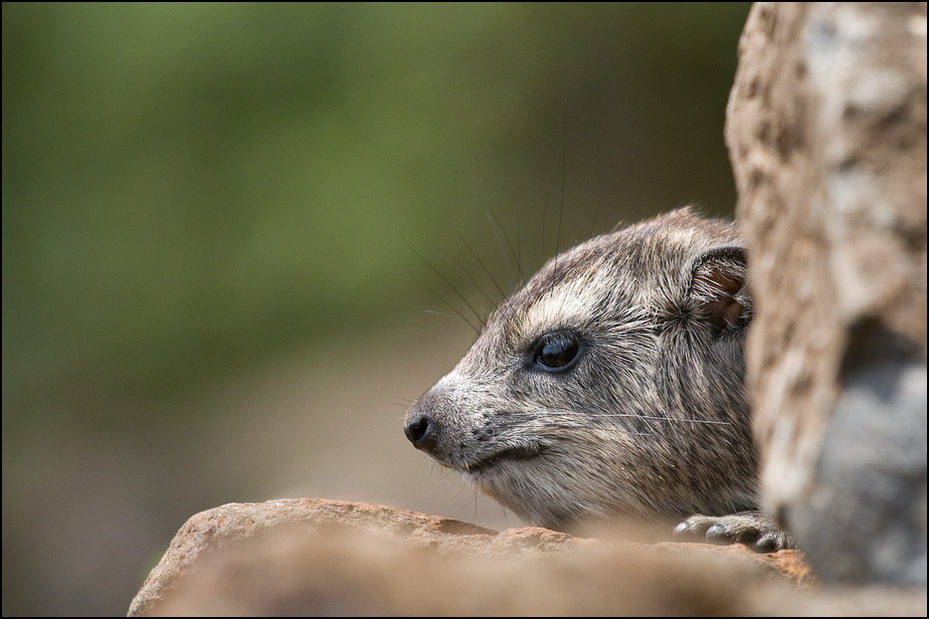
<point x="222" y="224"/>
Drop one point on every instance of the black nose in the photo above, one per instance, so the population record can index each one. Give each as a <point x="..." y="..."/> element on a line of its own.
<point x="421" y="431"/>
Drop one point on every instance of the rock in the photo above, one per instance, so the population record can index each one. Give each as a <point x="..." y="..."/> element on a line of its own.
<point x="217" y="528"/>
<point x="315" y="556"/>
<point x="826" y="129"/>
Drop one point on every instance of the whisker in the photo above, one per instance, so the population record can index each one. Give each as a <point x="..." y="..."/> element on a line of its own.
<point x="503" y="295"/>
<point x="519" y="268"/>
<point x="464" y="271"/>
<point x="444" y="279"/>
<point x="593" y="224"/>
<point x="457" y="315"/>
<point x="572" y="416"/>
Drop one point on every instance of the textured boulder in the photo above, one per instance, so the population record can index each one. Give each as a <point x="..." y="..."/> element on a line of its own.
<point x="315" y="556"/>
<point x="826" y="129"/>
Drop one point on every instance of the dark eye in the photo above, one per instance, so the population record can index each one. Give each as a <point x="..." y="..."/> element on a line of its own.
<point x="557" y="351"/>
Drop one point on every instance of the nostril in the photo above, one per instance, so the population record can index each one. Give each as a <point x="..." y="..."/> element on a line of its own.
<point x="419" y="430"/>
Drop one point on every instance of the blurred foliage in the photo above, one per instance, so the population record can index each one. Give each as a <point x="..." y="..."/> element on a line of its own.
<point x="189" y="186"/>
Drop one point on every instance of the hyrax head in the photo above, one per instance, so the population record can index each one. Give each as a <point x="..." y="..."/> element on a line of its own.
<point x="610" y="385"/>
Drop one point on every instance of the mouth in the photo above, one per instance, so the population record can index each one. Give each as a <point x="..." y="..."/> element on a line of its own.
<point x="509" y="454"/>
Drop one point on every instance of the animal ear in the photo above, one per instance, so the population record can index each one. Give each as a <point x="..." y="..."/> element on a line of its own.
<point x="719" y="285"/>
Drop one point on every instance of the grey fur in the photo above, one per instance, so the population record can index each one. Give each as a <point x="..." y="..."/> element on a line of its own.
<point x="650" y="420"/>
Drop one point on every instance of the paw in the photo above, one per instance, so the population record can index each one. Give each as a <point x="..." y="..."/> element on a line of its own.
<point x="753" y="529"/>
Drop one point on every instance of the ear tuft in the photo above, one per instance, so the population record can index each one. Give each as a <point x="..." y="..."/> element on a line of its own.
<point x="719" y="285"/>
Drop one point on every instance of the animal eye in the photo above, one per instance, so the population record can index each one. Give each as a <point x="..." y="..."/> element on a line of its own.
<point x="557" y="352"/>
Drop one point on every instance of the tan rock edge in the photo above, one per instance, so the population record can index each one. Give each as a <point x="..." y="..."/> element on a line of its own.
<point x="318" y="556"/>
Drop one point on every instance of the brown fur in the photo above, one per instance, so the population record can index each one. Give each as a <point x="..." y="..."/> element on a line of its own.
<point x="648" y="420"/>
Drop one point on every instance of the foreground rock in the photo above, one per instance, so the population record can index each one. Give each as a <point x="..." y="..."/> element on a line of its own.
<point x="321" y="557"/>
<point x="826" y="129"/>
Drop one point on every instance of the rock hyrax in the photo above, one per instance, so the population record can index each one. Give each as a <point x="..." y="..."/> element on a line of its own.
<point x="611" y="386"/>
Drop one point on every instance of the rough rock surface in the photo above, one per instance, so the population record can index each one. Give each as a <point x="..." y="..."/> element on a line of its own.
<point x="826" y="129"/>
<point x="316" y="556"/>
